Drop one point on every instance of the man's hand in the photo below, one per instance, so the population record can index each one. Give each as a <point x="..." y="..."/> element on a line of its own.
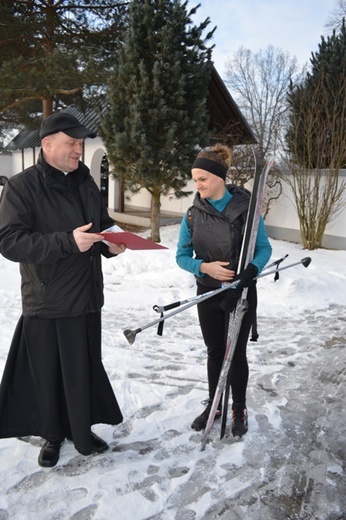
<point x="115" y="249"/>
<point x="85" y="240"/>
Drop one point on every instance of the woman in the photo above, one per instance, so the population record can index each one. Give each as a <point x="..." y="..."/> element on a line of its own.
<point x="209" y="247"/>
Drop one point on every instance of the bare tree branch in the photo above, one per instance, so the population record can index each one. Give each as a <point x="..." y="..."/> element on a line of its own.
<point x="317" y="146"/>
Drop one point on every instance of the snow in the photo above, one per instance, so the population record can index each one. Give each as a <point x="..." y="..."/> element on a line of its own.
<point x="291" y="463"/>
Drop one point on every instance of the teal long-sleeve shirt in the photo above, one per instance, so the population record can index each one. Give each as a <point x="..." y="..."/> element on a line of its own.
<point x="185" y="254"/>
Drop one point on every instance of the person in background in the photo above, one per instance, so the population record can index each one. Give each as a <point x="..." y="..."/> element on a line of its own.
<point x="54" y="383"/>
<point x="209" y="246"/>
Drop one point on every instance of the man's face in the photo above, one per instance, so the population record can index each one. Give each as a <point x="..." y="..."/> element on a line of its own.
<point x="62" y="152"/>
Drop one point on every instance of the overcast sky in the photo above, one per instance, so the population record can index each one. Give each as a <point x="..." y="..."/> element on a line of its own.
<point x="295" y="26"/>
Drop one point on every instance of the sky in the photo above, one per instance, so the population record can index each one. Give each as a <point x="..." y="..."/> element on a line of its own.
<point x="294" y="26"/>
<point x="290" y="464"/>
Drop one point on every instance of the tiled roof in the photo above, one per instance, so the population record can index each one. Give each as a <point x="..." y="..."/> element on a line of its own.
<point x="25" y="139"/>
<point x="31" y="138"/>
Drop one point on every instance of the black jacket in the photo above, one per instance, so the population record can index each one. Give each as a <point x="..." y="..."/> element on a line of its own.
<point x="39" y="209"/>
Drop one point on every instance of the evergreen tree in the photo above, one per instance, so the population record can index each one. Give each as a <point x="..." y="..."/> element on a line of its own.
<point x="53" y="53"/>
<point x="323" y="120"/>
<point x="156" y="113"/>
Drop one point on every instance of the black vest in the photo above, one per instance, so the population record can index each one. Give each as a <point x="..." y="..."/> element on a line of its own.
<point x="218" y="236"/>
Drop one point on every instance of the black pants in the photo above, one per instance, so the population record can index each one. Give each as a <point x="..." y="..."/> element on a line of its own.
<point x="214" y="326"/>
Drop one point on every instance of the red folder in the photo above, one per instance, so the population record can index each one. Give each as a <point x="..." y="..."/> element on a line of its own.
<point x="130" y="240"/>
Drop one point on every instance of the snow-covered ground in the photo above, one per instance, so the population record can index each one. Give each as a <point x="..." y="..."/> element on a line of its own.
<point x="291" y="463"/>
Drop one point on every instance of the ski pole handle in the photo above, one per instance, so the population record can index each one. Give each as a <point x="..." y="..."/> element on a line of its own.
<point x="168" y="307"/>
<point x="276" y="262"/>
<point x="194" y="299"/>
<point x="304" y="261"/>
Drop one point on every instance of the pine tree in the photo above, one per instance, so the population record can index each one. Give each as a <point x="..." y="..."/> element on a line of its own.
<point x="323" y="120"/>
<point x="53" y="53"/>
<point x="156" y="113"/>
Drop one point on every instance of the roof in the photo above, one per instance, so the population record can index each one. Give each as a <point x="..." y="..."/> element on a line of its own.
<point x="31" y="138"/>
<point x="25" y="139"/>
<point x="226" y="120"/>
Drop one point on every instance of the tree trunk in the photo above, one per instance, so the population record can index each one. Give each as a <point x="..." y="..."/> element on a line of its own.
<point x="47" y="106"/>
<point x="155" y="216"/>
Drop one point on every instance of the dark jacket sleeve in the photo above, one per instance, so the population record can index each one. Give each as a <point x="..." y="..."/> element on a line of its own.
<point x="18" y="241"/>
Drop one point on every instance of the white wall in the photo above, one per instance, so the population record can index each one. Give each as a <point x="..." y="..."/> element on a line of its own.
<point x="22" y="159"/>
<point x="282" y="221"/>
<point x="19" y="160"/>
<point x="94" y="150"/>
<point x="6" y="164"/>
<point x="168" y="204"/>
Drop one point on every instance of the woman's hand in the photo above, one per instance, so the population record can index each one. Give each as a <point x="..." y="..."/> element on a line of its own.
<point x="217" y="270"/>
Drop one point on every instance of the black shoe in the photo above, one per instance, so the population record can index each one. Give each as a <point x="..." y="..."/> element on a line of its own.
<point x="98" y="444"/>
<point x="201" y="421"/>
<point x="240" y="423"/>
<point x="49" y="454"/>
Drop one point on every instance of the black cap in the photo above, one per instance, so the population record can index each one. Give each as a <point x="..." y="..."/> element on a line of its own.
<point x="67" y="123"/>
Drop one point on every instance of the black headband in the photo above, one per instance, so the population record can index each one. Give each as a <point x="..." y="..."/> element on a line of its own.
<point x="210" y="166"/>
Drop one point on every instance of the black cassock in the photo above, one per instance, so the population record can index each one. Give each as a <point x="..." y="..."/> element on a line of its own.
<point x="54" y="383"/>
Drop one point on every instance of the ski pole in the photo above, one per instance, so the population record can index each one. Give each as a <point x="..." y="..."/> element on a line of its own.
<point x="196" y="299"/>
<point x="304" y="261"/>
<point x="130" y="334"/>
<point x="168" y="307"/>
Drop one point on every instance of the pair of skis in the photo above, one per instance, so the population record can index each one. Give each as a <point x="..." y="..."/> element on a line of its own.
<point x="246" y="255"/>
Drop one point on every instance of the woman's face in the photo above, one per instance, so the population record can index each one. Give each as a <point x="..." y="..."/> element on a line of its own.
<point x="208" y="185"/>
